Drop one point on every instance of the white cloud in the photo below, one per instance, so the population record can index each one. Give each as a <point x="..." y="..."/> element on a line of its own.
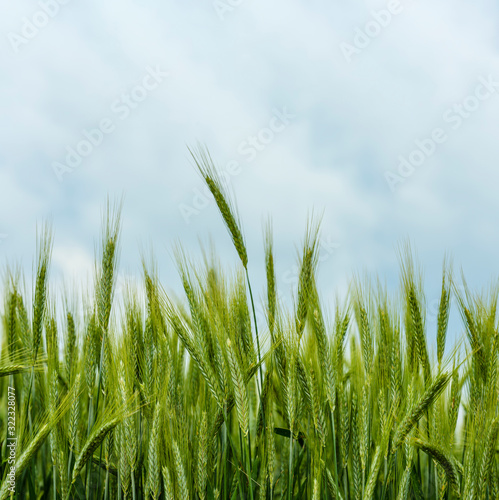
<point x="352" y="122"/>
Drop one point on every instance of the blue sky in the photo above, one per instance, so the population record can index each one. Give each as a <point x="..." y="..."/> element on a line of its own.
<point x="306" y="106"/>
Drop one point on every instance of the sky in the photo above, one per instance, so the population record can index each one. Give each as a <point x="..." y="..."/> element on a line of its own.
<point x="380" y="116"/>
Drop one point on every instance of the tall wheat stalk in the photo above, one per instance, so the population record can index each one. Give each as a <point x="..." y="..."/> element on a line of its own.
<point x="148" y="395"/>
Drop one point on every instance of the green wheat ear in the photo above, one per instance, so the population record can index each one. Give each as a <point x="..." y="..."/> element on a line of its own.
<point x="346" y="403"/>
<point x="44" y="243"/>
<point x="211" y="176"/>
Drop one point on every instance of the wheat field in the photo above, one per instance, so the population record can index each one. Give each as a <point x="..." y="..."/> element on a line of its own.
<point x="157" y="397"/>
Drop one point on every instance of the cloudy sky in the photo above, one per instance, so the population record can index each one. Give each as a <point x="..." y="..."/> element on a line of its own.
<point x="383" y="116"/>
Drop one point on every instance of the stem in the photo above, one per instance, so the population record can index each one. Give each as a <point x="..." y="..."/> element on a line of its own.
<point x="257" y="338"/>
<point x="241" y="493"/>
<point x="97" y="399"/>
<point x="106" y="490"/>
<point x="54" y="479"/>
<point x="89" y="427"/>
<point x="246" y="461"/>
<point x="69" y="464"/>
<point x="290" y="473"/>
<point x="133" y="484"/>
<point x="100" y="373"/>
<point x="98" y="474"/>
<point x="243" y="454"/>
<point x="345" y="482"/>
<point x="250" y="480"/>
<point x="334" y="450"/>
<point x="118" y="487"/>
<point x="32" y="385"/>
<point x="388" y="468"/>
<point x="309" y="465"/>
<point x="225" y="450"/>
<point x="249" y="450"/>
<point x="363" y="481"/>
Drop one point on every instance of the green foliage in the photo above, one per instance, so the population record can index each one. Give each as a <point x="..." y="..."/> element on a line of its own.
<point x="162" y="398"/>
